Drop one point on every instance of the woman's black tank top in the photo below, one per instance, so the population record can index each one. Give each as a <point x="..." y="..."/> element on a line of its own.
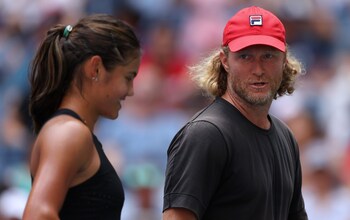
<point x="99" y="197"/>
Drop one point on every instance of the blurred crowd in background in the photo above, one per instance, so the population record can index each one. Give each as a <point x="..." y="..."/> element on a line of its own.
<point x="175" y="34"/>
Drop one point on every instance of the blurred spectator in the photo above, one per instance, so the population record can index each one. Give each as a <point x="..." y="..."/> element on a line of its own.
<point x="345" y="169"/>
<point x="335" y="97"/>
<point x="144" y="181"/>
<point x="12" y="203"/>
<point x="165" y="61"/>
<point x="325" y="196"/>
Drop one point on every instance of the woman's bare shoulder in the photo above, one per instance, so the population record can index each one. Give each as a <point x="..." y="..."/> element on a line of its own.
<point x="64" y="140"/>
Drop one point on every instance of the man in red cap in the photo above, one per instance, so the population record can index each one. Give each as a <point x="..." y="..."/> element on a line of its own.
<point x="234" y="160"/>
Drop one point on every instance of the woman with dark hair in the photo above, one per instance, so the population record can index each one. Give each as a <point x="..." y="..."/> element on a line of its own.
<point x="79" y="73"/>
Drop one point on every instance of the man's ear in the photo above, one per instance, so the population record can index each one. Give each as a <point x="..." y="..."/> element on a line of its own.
<point x="92" y="66"/>
<point x="224" y="60"/>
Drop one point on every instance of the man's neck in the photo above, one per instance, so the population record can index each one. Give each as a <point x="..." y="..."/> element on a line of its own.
<point x="256" y="114"/>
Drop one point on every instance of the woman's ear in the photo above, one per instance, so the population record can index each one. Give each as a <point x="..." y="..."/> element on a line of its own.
<point x="92" y="66"/>
<point x="224" y="58"/>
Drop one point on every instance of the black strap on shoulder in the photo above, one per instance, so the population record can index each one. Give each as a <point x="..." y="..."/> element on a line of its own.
<point x="66" y="111"/>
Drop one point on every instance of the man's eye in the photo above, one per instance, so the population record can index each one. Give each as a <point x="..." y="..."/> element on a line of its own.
<point x="129" y="78"/>
<point x="244" y="56"/>
<point x="268" y="56"/>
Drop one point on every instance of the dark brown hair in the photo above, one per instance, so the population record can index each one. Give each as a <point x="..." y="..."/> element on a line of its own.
<point x="59" y="59"/>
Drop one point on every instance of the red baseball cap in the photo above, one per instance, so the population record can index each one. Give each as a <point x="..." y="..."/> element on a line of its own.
<point x="251" y="26"/>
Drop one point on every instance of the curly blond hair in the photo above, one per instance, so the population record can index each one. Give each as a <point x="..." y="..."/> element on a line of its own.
<point x="210" y="75"/>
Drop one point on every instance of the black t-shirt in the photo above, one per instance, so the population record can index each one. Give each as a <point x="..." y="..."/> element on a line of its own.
<point x="223" y="167"/>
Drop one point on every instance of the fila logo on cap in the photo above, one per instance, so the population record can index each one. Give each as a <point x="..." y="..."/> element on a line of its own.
<point x="255" y="20"/>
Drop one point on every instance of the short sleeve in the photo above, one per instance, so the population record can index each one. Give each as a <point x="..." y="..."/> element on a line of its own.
<point x="297" y="208"/>
<point x="197" y="158"/>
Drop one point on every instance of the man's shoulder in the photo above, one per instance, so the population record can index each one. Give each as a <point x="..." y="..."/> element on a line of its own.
<point x="216" y="112"/>
<point x="279" y="123"/>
